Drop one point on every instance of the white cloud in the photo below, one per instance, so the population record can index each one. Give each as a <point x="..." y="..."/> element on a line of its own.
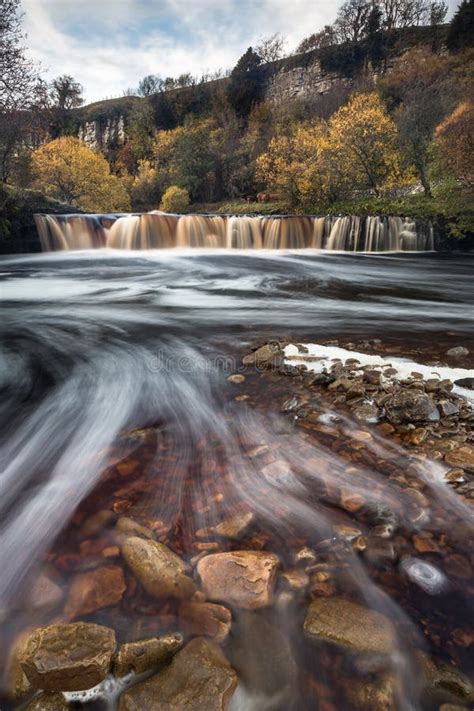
<point x="108" y="45"/>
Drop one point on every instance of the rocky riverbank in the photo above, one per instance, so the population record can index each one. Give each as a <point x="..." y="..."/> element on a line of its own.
<point x="157" y="617"/>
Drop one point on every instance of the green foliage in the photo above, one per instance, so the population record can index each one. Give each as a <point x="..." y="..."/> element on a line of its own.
<point x="175" y="200"/>
<point x="246" y="83"/>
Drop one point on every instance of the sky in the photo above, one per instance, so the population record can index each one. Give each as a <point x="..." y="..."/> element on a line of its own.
<point x="109" y="45"/>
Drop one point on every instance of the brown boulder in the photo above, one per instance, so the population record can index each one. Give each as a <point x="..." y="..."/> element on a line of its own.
<point x="146" y="654"/>
<point x="411" y="406"/>
<point x="129" y="527"/>
<point x="68" y="657"/>
<point x="461" y="457"/>
<point x="161" y="572"/>
<point x="349" y="625"/>
<point x="95" y="589"/>
<point x="241" y="578"/>
<point x="205" y="619"/>
<point x="198" y="679"/>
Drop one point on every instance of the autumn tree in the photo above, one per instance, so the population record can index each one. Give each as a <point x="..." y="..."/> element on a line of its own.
<point x="144" y="189"/>
<point x="175" y="200"/>
<point x="68" y="170"/>
<point x="454" y="144"/>
<point x="364" y="139"/>
<point x="421" y="92"/>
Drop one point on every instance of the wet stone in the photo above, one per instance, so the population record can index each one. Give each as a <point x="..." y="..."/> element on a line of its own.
<point x="411" y="406"/>
<point x="95" y="524"/>
<point x="146" y="654"/>
<point x="268" y="355"/>
<point x="94" y="590"/>
<point x="236" y="378"/>
<point x="444" y="677"/>
<point x="377" y="695"/>
<point x="44" y="594"/>
<point x="205" y="619"/>
<point x="448" y="408"/>
<point x="198" y="678"/>
<point x="69" y="657"/>
<point x="467" y="383"/>
<point x="240" y="578"/>
<point x="129" y="527"/>
<point x="160" y="571"/>
<point x="47" y="702"/>
<point x="235" y="526"/>
<point x="461" y="457"/>
<point x="367" y="412"/>
<point x="349" y="625"/>
<point x="457" y="352"/>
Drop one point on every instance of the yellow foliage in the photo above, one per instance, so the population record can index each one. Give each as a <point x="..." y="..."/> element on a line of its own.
<point x="454" y="144"/>
<point x="175" y="199"/>
<point x="67" y="169"/>
<point x="364" y="140"/>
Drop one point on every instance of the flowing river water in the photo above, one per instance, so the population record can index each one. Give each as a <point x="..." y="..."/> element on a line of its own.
<point x="113" y="377"/>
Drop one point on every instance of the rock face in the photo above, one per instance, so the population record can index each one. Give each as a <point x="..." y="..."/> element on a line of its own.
<point x="198" y="679"/>
<point x="146" y="654"/>
<point x="68" y="657"/>
<point x="205" y="619"/>
<point x="161" y="572"/>
<point x="411" y="406"/>
<point x="349" y="625"/>
<point x="94" y="590"/>
<point x="240" y="578"/>
<point x="461" y="457"/>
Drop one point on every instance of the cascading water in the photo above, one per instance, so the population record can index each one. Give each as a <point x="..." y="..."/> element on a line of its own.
<point x="158" y="231"/>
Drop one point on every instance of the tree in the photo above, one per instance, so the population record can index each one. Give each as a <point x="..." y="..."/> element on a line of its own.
<point x="245" y="84"/>
<point x="271" y="48"/>
<point x="461" y="30"/>
<point x="422" y="93"/>
<point x="175" y="199"/>
<point x="326" y="37"/>
<point x="68" y="170"/>
<point x="144" y="190"/>
<point x="454" y="144"/>
<point x="66" y="93"/>
<point x="404" y="13"/>
<point x="151" y="84"/>
<point x="364" y="139"/>
<point x="438" y="12"/>
<point x="351" y="21"/>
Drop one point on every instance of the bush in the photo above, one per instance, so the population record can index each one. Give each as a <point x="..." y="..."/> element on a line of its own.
<point x="175" y="199"/>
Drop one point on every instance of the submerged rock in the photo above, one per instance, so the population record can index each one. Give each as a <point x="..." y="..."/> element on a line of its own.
<point x="443" y="678"/>
<point x="366" y="412"/>
<point x="242" y="578"/>
<point x="205" y="619"/>
<point x="161" y="572"/>
<point x="95" y="524"/>
<point x="349" y="625"/>
<point x="69" y="657"/>
<point x="263" y="660"/>
<point x="235" y="526"/>
<point x="44" y="594"/>
<point x="94" y="590"/>
<point x="198" y="679"/>
<point x="411" y="406"/>
<point x="457" y="352"/>
<point x="146" y="654"/>
<point x="377" y="695"/>
<point x="48" y="702"/>
<point x="129" y="527"/>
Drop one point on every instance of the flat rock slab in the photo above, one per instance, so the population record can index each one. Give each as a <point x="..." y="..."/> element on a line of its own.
<point x="146" y="654"/>
<point x="461" y="457"/>
<point x="240" y="578"/>
<point x="349" y="625"/>
<point x="70" y="657"/>
<point x="198" y="679"/>
<point x="205" y="619"/>
<point x="161" y="572"/>
<point x="94" y="590"/>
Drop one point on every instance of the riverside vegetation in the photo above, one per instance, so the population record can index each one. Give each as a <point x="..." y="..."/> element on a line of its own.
<point x="393" y="134"/>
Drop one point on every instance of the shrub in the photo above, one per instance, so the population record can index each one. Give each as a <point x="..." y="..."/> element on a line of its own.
<point x="175" y="199"/>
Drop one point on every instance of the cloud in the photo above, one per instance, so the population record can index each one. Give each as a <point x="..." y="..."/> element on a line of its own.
<point x="109" y="45"/>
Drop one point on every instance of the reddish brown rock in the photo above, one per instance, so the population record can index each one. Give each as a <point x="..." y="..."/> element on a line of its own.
<point x="198" y="679"/>
<point x="205" y="619"/>
<point x="68" y="657"/>
<point x="94" y="590"/>
<point x="146" y="654"/>
<point x="349" y="625"/>
<point x="461" y="457"/>
<point x="240" y="578"/>
<point x="161" y="572"/>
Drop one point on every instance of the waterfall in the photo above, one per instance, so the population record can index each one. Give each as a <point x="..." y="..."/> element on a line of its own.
<point x="158" y="230"/>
